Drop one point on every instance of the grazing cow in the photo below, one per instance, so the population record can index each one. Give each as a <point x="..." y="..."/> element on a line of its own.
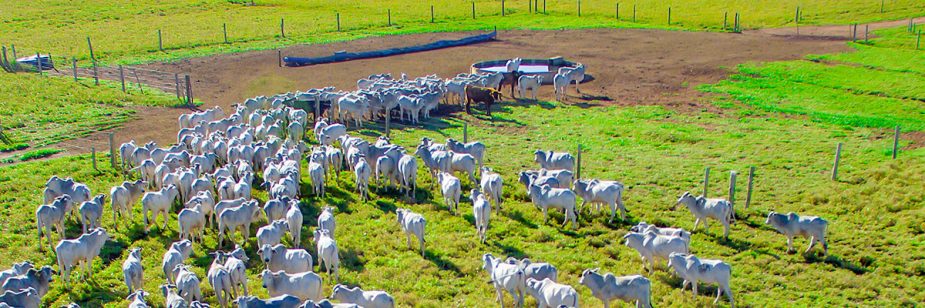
<point x="80" y="251"/>
<point x="491" y="184"/>
<point x="17" y="269"/>
<point x="481" y="212"/>
<point x="705" y="209"/>
<point x="554" y="161"/>
<point x="607" y="287"/>
<point x="533" y="178"/>
<point x="157" y="203"/>
<point x="133" y="271"/>
<point x="27" y="298"/>
<point x="486" y="96"/>
<point x="122" y="198"/>
<point x="330" y="133"/>
<point x="187" y="283"/>
<point x="451" y="188"/>
<point x="305" y="285"/>
<point x="235" y="218"/>
<point x="538" y="271"/>
<point x="220" y="280"/>
<point x="643" y="227"/>
<point x="362" y="172"/>
<point x="326" y="220"/>
<point x="294" y="219"/>
<point x="236" y="264"/>
<point x="546" y="197"/>
<point x="175" y="255"/>
<point x="191" y="220"/>
<point x="50" y="215"/>
<point x="505" y="276"/>
<point x="283" y="301"/>
<point x="527" y="82"/>
<point x="327" y="253"/>
<point x="560" y="83"/>
<point x="606" y="192"/>
<point x="652" y="247"/>
<point x="278" y="258"/>
<point x="791" y="225"/>
<point x="693" y="270"/>
<point x="550" y="294"/>
<point x="272" y="233"/>
<point x="367" y="299"/>
<point x="137" y="299"/>
<point x="37" y="279"/>
<point x="412" y="223"/>
<point x="171" y="298"/>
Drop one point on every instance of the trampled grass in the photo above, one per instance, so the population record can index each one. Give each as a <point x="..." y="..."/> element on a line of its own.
<point x="658" y="153"/>
<point x="126" y="31"/>
<point x="45" y="110"/>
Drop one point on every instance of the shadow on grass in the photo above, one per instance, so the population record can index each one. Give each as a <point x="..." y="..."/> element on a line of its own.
<point x="518" y="216"/>
<point x="510" y="251"/>
<point x="352" y="260"/>
<point x="442" y="263"/>
<point x="814" y="257"/>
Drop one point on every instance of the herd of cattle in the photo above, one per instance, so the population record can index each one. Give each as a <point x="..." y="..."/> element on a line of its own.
<point x="209" y="175"/>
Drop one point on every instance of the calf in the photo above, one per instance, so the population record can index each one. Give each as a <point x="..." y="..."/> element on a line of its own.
<point x="487" y="96"/>
<point x="554" y="161"/>
<point x="187" y="283"/>
<point x="643" y="227"/>
<point x="367" y="299"/>
<point x="606" y="192"/>
<point x="362" y="172"/>
<point x="527" y="82"/>
<point x="238" y="218"/>
<point x="560" y="82"/>
<point x="305" y="285"/>
<point x="327" y="253"/>
<point x="294" y="220"/>
<point x="272" y="234"/>
<point x="538" y="271"/>
<point x="235" y="264"/>
<point x="550" y="294"/>
<point x="278" y="258"/>
<point x="608" y="287"/>
<point x="175" y="255"/>
<point x="220" y="280"/>
<point x="704" y="209"/>
<point x="476" y="149"/>
<point x="80" y="251"/>
<point x="157" y="203"/>
<point x="652" y="247"/>
<point x="694" y="270"/>
<point x="137" y="299"/>
<point x="491" y="185"/>
<point x="191" y="220"/>
<point x="17" y="269"/>
<point x="27" y="298"/>
<point x="37" y="279"/>
<point x="412" y="223"/>
<point x="546" y="197"/>
<point x="50" y="215"/>
<point x="451" y="188"/>
<point x="283" y="301"/>
<point x="133" y="271"/>
<point x="171" y="298"/>
<point x="791" y="225"/>
<point x="505" y="276"/>
<point x="122" y="198"/>
<point x="326" y="220"/>
<point x="481" y="212"/>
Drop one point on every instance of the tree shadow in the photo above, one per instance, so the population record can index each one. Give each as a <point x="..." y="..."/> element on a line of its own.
<point x="386" y="205"/>
<point x="111" y="251"/>
<point x="352" y="260"/>
<point x="510" y="251"/>
<point x="737" y="245"/>
<point x="814" y="257"/>
<point x="518" y="216"/>
<point x="442" y="263"/>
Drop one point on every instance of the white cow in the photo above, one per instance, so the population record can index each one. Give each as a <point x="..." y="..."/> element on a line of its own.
<point x="137" y="299"/>
<point x="50" y="215"/>
<point x="546" y="197"/>
<point x="791" y="225"/>
<point x="122" y="198"/>
<point x="652" y="247"/>
<point x="219" y="278"/>
<point x="451" y="188"/>
<point x="598" y="192"/>
<point x="476" y="149"/>
<point x="513" y="65"/>
<point x="236" y="218"/>
<point x="550" y="294"/>
<point x="694" y="270"/>
<point x="327" y="253"/>
<point x="450" y="162"/>
<point x="326" y="220"/>
<point x="305" y="285"/>
<point x="705" y="209"/>
<point x="643" y="227"/>
<point x="481" y="212"/>
<point x="191" y="220"/>
<point x="27" y="298"/>
<point x="187" y="283"/>
<point x="408" y="173"/>
<point x="505" y="276"/>
<point x="412" y="223"/>
<point x="171" y="298"/>
<point x="491" y="185"/>
<point x="158" y="203"/>
<point x="236" y="264"/>
<point x="38" y="279"/>
<point x="317" y="174"/>
<point x="17" y="269"/>
<point x="278" y="258"/>
<point x="175" y="255"/>
<point x="560" y="83"/>
<point x="283" y="301"/>
<point x="362" y="172"/>
<point x="80" y="251"/>
<point x="133" y="271"/>
<point x="607" y="287"/>
<point x="272" y="233"/>
<point x="528" y="82"/>
<point x="538" y="270"/>
<point x="554" y="161"/>
<point x="367" y="299"/>
<point x="294" y="218"/>
<point x="576" y="74"/>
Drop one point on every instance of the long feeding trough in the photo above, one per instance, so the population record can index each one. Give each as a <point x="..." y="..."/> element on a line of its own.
<point x="541" y="67"/>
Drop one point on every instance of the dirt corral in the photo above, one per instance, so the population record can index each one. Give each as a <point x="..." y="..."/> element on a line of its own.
<point x="628" y="66"/>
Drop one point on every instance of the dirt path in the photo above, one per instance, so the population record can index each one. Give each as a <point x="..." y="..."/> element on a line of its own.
<point x="629" y="67"/>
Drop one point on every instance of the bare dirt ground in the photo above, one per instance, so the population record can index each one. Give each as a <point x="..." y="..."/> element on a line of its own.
<point x="628" y="66"/>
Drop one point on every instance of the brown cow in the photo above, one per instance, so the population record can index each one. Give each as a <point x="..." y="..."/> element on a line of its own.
<point x="487" y="96"/>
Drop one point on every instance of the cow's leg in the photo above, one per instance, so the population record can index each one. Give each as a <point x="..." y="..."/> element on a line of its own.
<point x="789" y="243"/>
<point x="812" y="241"/>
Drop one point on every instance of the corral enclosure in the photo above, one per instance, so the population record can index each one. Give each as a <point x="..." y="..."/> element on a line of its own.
<point x="648" y="122"/>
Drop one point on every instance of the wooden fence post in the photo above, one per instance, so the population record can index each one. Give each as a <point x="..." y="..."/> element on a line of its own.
<point x="796" y="20"/>
<point x="896" y="142"/>
<point x="669" y="15"/>
<point x="74" y="67"/>
<point x="431" y="14"/>
<point x="465" y="132"/>
<point x="390" y="17"/>
<point x="176" y="80"/>
<point x="225" y="32"/>
<point x="578" y="170"/>
<point x="93" y="157"/>
<point x="529" y="6"/>
<point x="189" y="92"/>
<point x="866" y="30"/>
<point x="138" y="81"/>
<point x="881" y="6"/>
<point x="854" y="33"/>
<point x="279" y="57"/>
<point x="725" y="17"/>
<point x="751" y="177"/>
<point x="618" y="10"/>
<point x="502" y="8"/>
<point x="38" y="63"/>
<point x="732" y="187"/>
<point x="706" y="181"/>
<point x="90" y="45"/>
<point x="388" y="116"/>
<point x="282" y="27"/>
<point x="160" y="41"/>
<point x="918" y="39"/>
<point x="736" y="29"/>
<point x="112" y="151"/>
<point x="634" y="13"/>
<point x="122" y="77"/>
<point x="544" y="6"/>
<point x="337" y="15"/>
<point x="837" y="159"/>
<point x="579" y="8"/>
<point x="473" y="9"/>
<point x="96" y="73"/>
